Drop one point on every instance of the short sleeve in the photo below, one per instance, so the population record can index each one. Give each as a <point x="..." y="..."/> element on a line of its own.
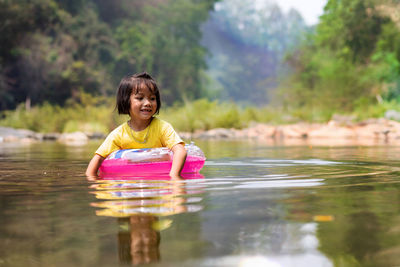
<point x="169" y="137"/>
<point x="109" y="145"/>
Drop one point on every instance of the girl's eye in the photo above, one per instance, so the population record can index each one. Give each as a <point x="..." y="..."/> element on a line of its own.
<point x="153" y="99"/>
<point x="139" y="98"/>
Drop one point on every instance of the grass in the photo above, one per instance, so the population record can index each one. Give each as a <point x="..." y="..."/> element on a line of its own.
<point x="97" y="115"/>
<point x="90" y="115"/>
<point x="204" y="115"/>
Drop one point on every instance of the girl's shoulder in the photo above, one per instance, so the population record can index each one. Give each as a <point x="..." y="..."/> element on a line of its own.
<point x="121" y="128"/>
<point x="156" y="122"/>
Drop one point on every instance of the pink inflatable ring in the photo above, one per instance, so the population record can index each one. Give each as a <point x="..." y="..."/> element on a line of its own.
<point x="149" y="161"/>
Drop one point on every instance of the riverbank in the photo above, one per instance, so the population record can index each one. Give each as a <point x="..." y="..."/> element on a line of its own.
<point x="369" y="132"/>
<point x="11" y="135"/>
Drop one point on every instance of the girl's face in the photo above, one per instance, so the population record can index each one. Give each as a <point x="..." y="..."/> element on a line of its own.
<point x="143" y="104"/>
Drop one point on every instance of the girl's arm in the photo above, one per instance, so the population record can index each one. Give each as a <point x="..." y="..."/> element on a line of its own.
<point x="178" y="160"/>
<point x="94" y="166"/>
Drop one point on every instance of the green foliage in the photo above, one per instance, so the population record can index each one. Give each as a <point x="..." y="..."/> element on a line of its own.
<point x="41" y="118"/>
<point x="51" y="50"/>
<point x="166" y="43"/>
<point x="346" y="65"/>
<point x="364" y="111"/>
<point x="49" y="54"/>
<point x="350" y="27"/>
<point x="203" y="114"/>
<point x="95" y="115"/>
<point x="89" y="114"/>
<point x="386" y="61"/>
<point x="54" y="53"/>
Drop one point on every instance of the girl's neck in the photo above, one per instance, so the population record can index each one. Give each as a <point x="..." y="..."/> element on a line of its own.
<point x="139" y="125"/>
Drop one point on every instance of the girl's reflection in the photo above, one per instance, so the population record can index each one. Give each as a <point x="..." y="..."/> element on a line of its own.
<point x="140" y="244"/>
<point x="138" y="205"/>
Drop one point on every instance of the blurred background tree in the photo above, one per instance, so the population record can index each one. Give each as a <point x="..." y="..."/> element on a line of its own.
<point x="51" y="50"/>
<point x="250" y="53"/>
<point x="349" y="63"/>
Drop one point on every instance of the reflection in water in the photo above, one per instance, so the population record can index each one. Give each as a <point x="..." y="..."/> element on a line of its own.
<point x="363" y="245"/>
<point x="359" y="203"/>
<point x="125" y="198"/>
<point x="265" y="205"/>
<point x="138" y="241"/>
<point x="139" y="205"/>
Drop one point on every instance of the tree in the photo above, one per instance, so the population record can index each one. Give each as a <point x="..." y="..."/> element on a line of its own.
<point x="346" y="64"/>
<point x="51" y="50"/>
<point x="350" y="26"/>
<point x="166" y="43"/>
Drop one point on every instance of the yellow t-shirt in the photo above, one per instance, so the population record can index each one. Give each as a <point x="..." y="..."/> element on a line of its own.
<point x="159" y="134"/>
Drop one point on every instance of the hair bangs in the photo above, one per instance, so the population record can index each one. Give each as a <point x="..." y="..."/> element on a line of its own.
<point x="142" y="84"/>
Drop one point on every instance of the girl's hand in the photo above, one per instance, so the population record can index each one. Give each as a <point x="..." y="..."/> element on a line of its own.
<point x="175" y="177"/>
<point x="92" y="178"/>
<point x="178" y="160"/>
<point x="93" y="167"/>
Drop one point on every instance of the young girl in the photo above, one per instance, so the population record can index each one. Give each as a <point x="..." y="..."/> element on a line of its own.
<point x="139" y="97"/>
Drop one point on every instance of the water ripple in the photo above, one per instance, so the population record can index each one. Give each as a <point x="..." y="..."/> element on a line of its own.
<point x="286" y="184"/>
<point x="153" y="198"/>
<point x="270" y="162"/>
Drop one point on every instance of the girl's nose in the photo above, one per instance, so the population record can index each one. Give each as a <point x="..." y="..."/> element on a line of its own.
<point x="147" y="102"/>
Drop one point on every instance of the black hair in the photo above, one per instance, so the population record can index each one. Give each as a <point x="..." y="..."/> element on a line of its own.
<point x="132" y="84"/>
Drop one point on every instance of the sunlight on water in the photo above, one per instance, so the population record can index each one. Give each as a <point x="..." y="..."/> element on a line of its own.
<point x="270" y="162"/>
<point x="287" y="183"/>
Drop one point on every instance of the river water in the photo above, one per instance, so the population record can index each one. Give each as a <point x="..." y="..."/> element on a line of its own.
<point x="253" y="205"/>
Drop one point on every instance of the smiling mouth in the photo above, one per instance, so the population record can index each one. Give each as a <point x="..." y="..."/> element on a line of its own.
<point x="146" y="110"/>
